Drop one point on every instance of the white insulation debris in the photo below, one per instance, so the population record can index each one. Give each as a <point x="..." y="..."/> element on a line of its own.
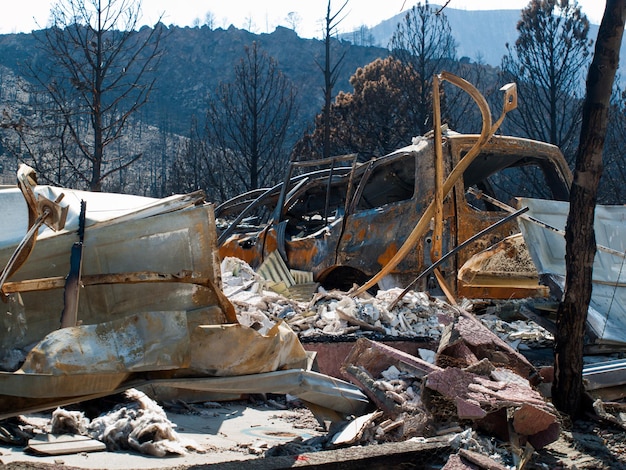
<point x="140" y="424"/>
<point x="334" y="313"/>
<point x="331" y="313"/>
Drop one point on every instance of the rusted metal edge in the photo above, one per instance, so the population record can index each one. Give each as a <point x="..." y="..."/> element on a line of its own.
<point x="189" y="277"/>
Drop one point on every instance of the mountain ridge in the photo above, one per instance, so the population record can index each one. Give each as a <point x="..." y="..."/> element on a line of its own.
<point x="485" y="44"/>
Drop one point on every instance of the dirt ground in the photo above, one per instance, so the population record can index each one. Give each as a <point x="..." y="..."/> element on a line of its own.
<point x="585" y="444"/>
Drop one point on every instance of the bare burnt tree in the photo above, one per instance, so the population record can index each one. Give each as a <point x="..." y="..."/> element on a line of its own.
<point x="293" y="19"/>
<point x="568" y="389"/>
<point x="330" y="69"/>
<point x="189" y="169"/>
<point x="363" y="37"/>
<point x="548" y="62"/>
<point x="197" y="165"/>
<point x="95" y="73"/>
<point x="209" y="19"/>
<point x="248" y="123"/>
<point x="424" y="40"/>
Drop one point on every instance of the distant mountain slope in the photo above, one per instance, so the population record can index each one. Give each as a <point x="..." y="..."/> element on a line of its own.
<point x="479" y="33"/>
<point x="197" y="59"/>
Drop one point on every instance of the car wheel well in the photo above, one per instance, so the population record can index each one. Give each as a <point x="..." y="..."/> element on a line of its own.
<point x="344" y="278"/>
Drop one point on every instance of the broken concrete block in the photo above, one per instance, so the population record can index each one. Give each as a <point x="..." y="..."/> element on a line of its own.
<point x="467" y="340"/>
<point x="377" y="357"/>
<point x="480" y="398"/>
<point x="368" y="362"/>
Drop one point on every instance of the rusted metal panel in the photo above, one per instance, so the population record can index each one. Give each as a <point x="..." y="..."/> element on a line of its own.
<point x="147" y="341"/>
<point x="507" y="289"/>
<point x="228" y="350"/>
<point x="151" y="308"/>
<point x="170" y="243"/>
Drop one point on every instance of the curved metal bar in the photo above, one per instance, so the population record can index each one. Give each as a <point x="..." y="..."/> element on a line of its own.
<point x="23" y="249"/>
<point x="422" y="225"/>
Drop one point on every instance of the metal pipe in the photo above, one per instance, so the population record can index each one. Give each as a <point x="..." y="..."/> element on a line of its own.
<point x="441" y="260"/>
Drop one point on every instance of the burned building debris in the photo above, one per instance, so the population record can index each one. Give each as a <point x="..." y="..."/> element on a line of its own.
<point x="389" y="301"/>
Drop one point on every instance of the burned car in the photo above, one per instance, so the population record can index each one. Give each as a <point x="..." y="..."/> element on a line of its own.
<point x="345" y="223"/>
<point x="344" y="220"/>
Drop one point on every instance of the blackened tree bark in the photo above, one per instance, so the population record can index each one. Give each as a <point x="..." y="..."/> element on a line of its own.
<point x="568" y="388"/>
<point x="330" y="70"/>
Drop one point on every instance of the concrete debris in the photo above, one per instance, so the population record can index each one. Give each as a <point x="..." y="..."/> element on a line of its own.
<point x="478" y="376"/>
<point x="485" y="401"/>
<point x="489" y="382"/>
<point x="518" y="332"/>
<point x="466" y="340"/>
<point x="335" y="314"/>
<point x="332" y="313"/>
<point x="425" y="398"/>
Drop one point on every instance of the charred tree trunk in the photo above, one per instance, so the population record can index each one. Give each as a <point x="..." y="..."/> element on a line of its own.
<point x="580" y="235"/>
<point x="330" y="73"/>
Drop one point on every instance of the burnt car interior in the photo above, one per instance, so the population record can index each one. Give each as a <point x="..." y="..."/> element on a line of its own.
<point x="318" y="198"/>
<point x="514" y="176"/>
<point x="388" y="184"/>
<point x="321" y="201"/>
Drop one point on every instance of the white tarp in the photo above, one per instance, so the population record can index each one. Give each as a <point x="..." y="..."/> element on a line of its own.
<point x="607" y="310"/>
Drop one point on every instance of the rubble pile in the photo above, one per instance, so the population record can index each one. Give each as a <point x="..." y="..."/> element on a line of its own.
<point x="477" y="384"/>
<point x="475" y="391"/>
<point x="335" y="313"/>
<point x="518" y="332"/>
<point x="332" y="313"/>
